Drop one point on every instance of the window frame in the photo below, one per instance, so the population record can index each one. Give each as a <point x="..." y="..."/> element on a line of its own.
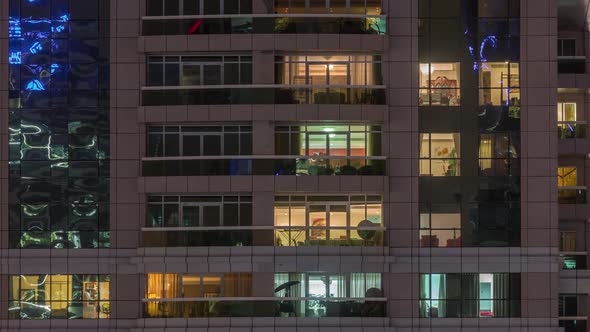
<point x="328" y="7"/>
<point x="169" y="59"/>
<point x="290" y="201"/>
<point x="285" y="65"/>
<point x="430" y="87"/>
<point x="166" y="200"/>
<point x="429" y="158"/>
<point x="163" y="131"/>
<point x="561" y="47"/>
<point x="295" y="131"/>
<point x="200" y="7"/>
<point x="427" y="210"/>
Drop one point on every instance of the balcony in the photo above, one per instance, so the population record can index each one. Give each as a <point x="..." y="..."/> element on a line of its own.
<point x="263" y="94"/>
<point x="571" y="129"/>
<point x="262" y="165"/>
<point x="573" y="260"/>
<point x="571" y="64"/>
<point x="264" y="24"/>
<point x="238" y="236"/>
<point x="264" y="307"/>
<point x="572" y="195"/>
<point x="573" y="324"/>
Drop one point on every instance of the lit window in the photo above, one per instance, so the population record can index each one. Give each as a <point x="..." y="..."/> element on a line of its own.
<point x="499" y="84"/>
<point x="469" y="295"/>
<point x="328" y="220"/>
<point x="440" y="154"/>
<point x="440" y="84"/>
<point x="567" y="176"/>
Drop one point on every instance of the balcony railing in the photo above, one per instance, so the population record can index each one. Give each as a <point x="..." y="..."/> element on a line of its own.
<point x="573" y="324"/>
<point x="573" y="260"/>
<point x="264" y="23"/>
<point x="262" y="165"/>
<point x="571" y="64"/>
<point x="264" y="307"/>
<point x="572" y="195"/>
<point x="571" y="129"/>
<point x="263" y="94"/>
<point x="329" y="236"/>
<point x="237" y="236"/>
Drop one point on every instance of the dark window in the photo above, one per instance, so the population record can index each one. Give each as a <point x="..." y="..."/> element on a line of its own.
<point x="566" y="47"/>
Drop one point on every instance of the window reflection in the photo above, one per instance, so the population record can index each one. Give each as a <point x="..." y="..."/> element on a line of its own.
<point x="440" y="84"/>
<point x="498" y="155"/>
<point x="440" y="154"/>
<point x="67" y="296"/>
<point x="328" y="220"/>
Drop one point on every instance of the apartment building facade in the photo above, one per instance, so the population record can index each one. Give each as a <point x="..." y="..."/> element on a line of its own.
<point x="258" y="165"/>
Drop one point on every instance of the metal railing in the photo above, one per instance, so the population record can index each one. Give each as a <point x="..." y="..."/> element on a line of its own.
<point x="263" y="165"/>
<point x="571" y="129"/>
<point x="572" y="195"/>
<point x="263" y="94"/>
<point x="264" y="307"/>
<point x="264" y="23"/>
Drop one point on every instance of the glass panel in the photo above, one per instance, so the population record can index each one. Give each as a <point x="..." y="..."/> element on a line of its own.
<point x="191" y="286"/>
<point x="318" y="145"/>
<point x="191" y="145"/>
<point x="212" y="286"/>
<point x="374" y="7"/>
<point x="190" y="216"/>
<point x="281" y="215"/>
<point x="191" y="75"/>
<point x="567" y="176"/>
<point x="298" y="215"/>
<point x="211" y="74"/>
<point x="211" y="215"/>
<point x="337" y="6"/>
<point x="317" y="220"/>
<point x="338" y="144"/>
<point x="338" y="74"/>
<point x="338" y="219"/>
<point x="318" y="7"/>
<point x="211" y="7"/>
<point x="318" y="74"/>
<point x="212" y="145"/>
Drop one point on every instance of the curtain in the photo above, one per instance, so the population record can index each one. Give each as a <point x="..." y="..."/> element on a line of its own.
<point x="357" y="285"/>
<point x="373" y="280"/>
<point x="337" y="286"/>
<point x="501" y="295"/>
<point x="457" y="141"/>
<point x="424" y="295"/>
<point x="170" y="285"/>
<point x="485" y="151"/>
<point x="470" y="295"/>
<point x="230" y="285"/>
<point x="442" y="294"/>
<point x="155" y="286"/>
<point x="245" y="286"/>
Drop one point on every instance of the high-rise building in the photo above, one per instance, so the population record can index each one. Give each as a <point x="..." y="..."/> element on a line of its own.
<point x="294" y="165"/>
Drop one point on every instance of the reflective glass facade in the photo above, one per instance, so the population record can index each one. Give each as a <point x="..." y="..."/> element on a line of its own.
<point x="59" y="124"/>
<point x="59" y="296"/>
<point x="469" y="120"/>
